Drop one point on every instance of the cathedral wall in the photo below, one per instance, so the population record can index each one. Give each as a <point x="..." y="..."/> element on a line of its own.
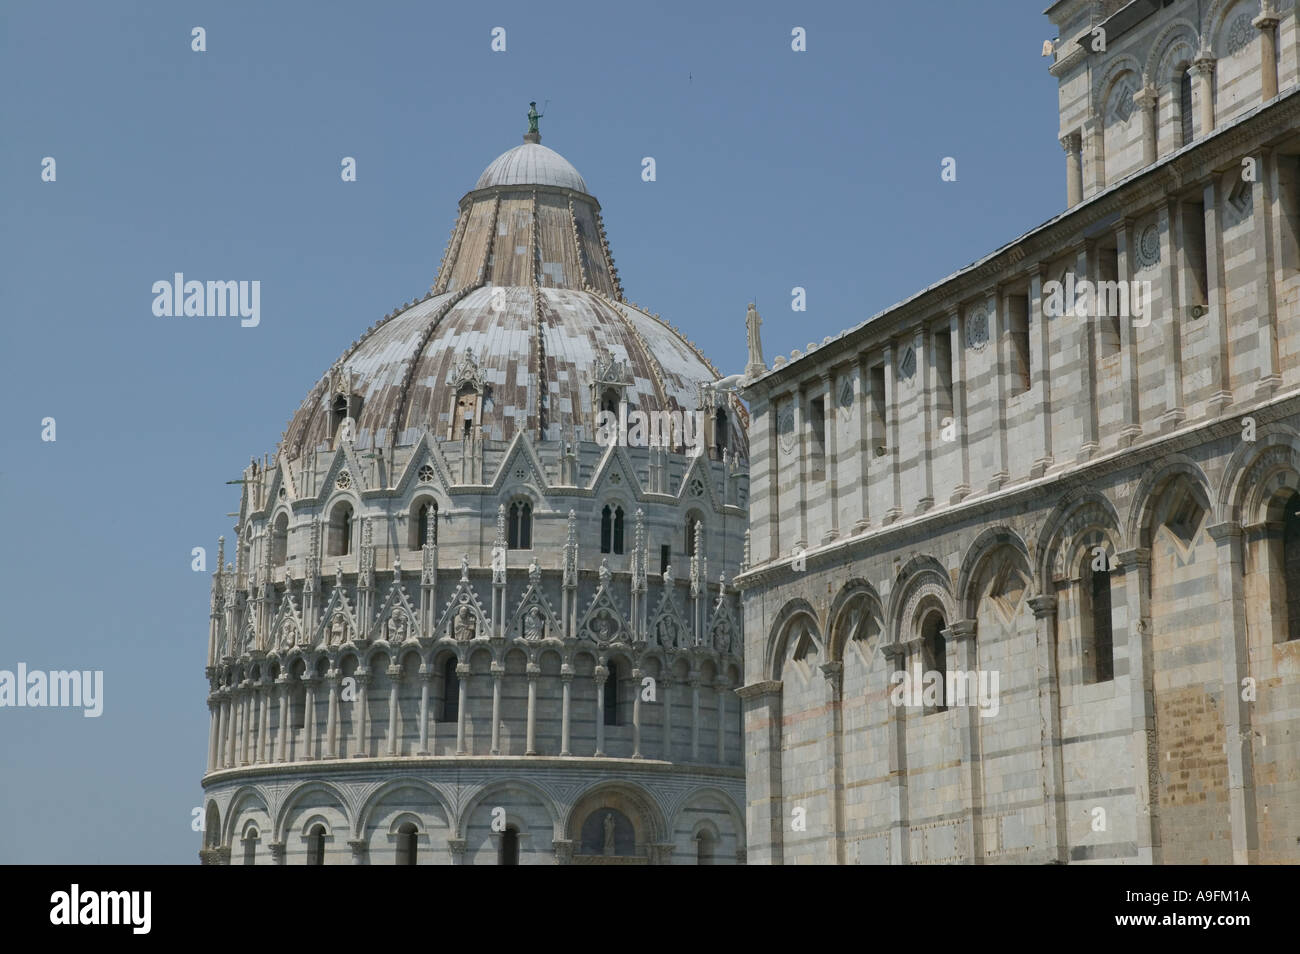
<point x="1103" y="528"/>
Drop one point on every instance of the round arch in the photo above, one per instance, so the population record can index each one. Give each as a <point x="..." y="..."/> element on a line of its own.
<point x="291" y="801"/>
<point x="779" y="633"/>
<point x="986" y="548"/>
<point x="374" y="801"/>
<point x="532" y="789"/>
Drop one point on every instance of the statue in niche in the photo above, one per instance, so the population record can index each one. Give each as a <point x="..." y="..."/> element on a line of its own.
<point x="534" y="624"/>
<point x="464" y="626"/>
<point x="609" y="833"/>
<point x="338" y="629"/>
<point x="722" y="636"/>
<point x="288" y="633"/>
<point x="396" y="628"/>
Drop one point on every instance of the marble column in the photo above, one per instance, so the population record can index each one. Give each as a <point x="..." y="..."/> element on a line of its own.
<point x="762" y="702"/>
<point x="1135" y="615"/>
<point x="566" y="683"/>
<point x="1072" y="143"/>
<point x="311" y="682"/>
<point x="282" y="734"/>
<point x="395" y="684"/>
<point x="530" y="734"/>
<point x="1047" y="686"/>
<point x="331" y="714"/>
<point x="834" y="673"/>
<point x="1146" y="101"/>
<point x="1234" y="656"/>
<point x="1266" y="23"/>
<point x="425" y="674"/>
<point x="600" y="675"/>
<point x="462" y="674"/>
<point x="498" y="673"/>
<point x="1203" y="80"/>
<point x="363" y="715"/>
<point x="636" y="713"/>
<point x="961" y="634"/>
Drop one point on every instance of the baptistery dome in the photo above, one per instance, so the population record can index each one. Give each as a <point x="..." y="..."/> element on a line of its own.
<point x="463" y="625"/>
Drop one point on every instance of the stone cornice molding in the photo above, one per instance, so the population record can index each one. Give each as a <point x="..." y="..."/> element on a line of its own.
<point x="756" y="690"/>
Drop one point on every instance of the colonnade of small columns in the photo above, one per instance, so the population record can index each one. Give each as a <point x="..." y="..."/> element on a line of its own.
<point x="242" y="734"/>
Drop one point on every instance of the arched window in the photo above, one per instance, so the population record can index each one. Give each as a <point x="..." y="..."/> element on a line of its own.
<point x="1291" y="565"/>
<point x="407" y="838"/>
<point x="611" y="529"/>
<point x="519" y="528"/>
<point x="250" y="847"/>
<point x="1185" y="104"/>
<point x="1098" y="641"/>
<point x="692" y="530"/>
<point x="934" y="655"/>
<point x="609" y="400"/>
<point x="340" y="530"/>
<point x="720" y="435"/>
<point x="704" y="848"/>
<point x="611" y="695"/>
<point x="424" y="525"/>
<point x="338" y="413"/>
<point x="316" y="845"/>
<point x="467" y="401"/>
<point x="280" y="540"/>
<point x="509" y="853"/>
<point x="450" y="691"/>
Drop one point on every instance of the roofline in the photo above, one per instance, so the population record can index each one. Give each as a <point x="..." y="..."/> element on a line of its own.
<point x="774" y="376"/>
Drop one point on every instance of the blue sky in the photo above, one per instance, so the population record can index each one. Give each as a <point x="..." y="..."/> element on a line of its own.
<point x="774" y="169"/>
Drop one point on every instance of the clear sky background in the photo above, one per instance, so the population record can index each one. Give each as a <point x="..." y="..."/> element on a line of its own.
<point x="775" y="169"/>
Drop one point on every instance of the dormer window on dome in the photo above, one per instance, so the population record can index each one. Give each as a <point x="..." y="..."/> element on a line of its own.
<point x="470" y="386"/>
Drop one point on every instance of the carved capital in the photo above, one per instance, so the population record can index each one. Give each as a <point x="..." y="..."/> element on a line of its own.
<point x="1043" y="606"/>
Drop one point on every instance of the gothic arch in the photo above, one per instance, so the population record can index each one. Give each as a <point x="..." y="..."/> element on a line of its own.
<point x="295" y="796"/>
<point x="1160" y="60"/>
<point x="516" y="784"/>
<point x="1147" y="495"/>
<point x="375" y="800"/>
<point x="1079" y="510"/>
<point x="986" y="547"/>
<point x="855" y="591"/>
<point x="1255" y="472"/>
<point x="922" y="583"/>
<point x="780" y="631"/>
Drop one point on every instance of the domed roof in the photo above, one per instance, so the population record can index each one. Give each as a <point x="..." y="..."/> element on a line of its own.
<point x="528" y="313"/>
<point x="517" y="344"/>
<point x="531" y="164"/>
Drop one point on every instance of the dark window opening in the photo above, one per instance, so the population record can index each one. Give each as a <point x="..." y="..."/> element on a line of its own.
<point x="450" y="691"/>
<point x="407" y="839"/>
<point x="665" y="557"/>
<point x="520" y="526"/>
<point x="1185" y="105"/>
<point x="1098" y="650"/>
<point x="934" y="651"/>
<point x="340" y="530"/>
<point x="1291" y="565"/>
<point x="510" y="846"/>
<point x="720" y="436"/>
<point x="316" y="846"/>
<point x="611" y="695"/>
